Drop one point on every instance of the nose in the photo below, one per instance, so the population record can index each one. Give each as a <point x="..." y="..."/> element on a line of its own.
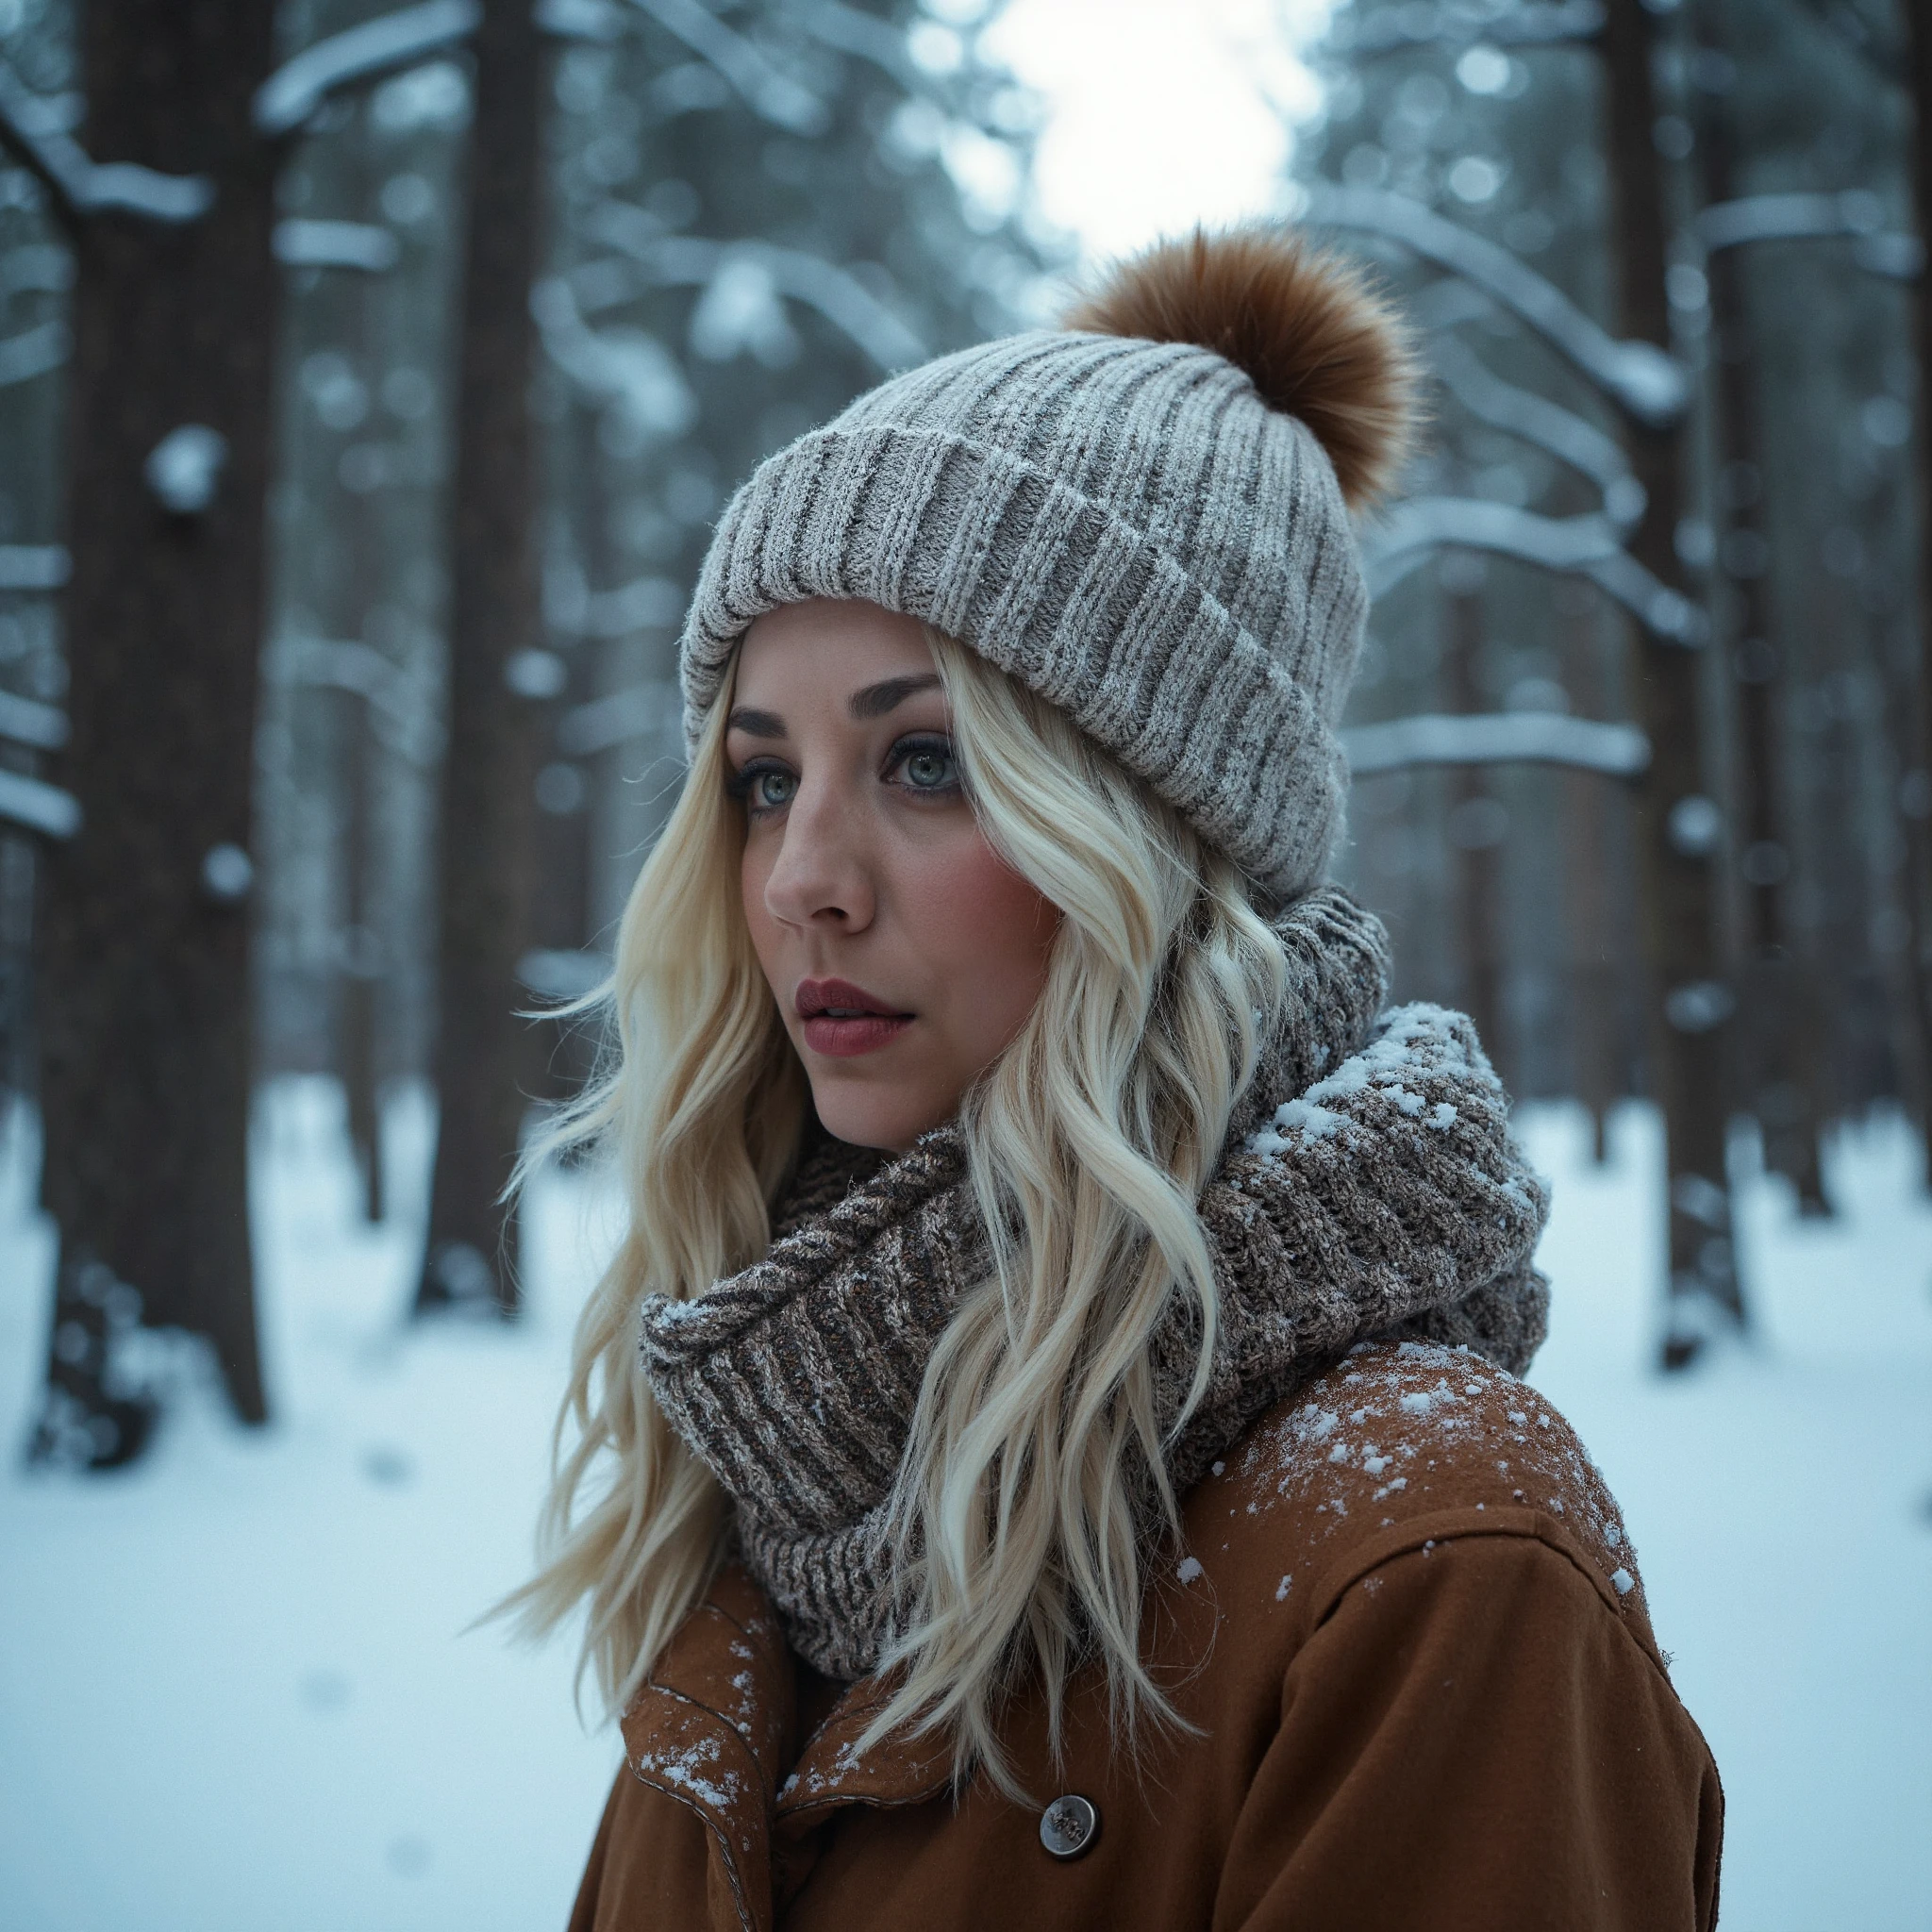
<point x="822" y="875"/>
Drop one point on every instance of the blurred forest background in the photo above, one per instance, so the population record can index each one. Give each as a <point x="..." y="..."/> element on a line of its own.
<point x="371" y="377"/>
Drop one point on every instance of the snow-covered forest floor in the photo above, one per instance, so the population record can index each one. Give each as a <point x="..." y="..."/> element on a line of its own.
<point x="236" y="1690"/>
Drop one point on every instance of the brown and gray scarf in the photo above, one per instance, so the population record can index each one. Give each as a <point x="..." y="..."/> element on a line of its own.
<point x="1368" y="1189"/>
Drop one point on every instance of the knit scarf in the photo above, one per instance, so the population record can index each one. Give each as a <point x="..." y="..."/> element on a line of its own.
<point x="1368" y="1187"/>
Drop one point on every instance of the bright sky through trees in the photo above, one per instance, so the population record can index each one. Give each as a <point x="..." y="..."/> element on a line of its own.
<point x="1165" y="112"/>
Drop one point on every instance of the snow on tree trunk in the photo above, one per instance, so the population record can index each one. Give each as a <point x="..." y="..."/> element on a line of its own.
<point x="144" y="1005"/>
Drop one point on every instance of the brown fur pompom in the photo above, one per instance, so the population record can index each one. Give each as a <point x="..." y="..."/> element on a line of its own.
<point x="1307" y="327"/>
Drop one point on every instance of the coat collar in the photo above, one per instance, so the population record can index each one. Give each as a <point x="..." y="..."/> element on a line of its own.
<point x="715" y="1729"/>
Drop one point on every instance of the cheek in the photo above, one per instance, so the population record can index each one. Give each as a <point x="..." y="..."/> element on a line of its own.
<point x="988" y="935"/>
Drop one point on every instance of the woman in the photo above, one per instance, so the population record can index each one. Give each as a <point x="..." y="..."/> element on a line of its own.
<point x="1075" y="1474"/>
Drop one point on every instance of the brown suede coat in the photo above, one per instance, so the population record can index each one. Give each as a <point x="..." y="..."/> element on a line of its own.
<point x="1407" y="1632"/>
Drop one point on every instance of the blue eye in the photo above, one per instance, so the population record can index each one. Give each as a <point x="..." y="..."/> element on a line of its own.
<point x="763" y="787"/>
<point x="927" y="767"/>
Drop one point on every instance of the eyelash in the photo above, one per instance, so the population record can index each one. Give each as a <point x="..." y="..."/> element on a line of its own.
<point x="738" y="784"/>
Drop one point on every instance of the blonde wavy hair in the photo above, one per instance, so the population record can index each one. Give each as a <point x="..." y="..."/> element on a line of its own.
<point x="1034" y="1460"/>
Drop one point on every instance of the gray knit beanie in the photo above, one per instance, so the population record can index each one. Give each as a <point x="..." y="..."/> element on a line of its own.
<point x="1144" y="517"/>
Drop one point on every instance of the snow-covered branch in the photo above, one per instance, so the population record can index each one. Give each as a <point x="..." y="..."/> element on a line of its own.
<point x="1498" y="738"/>
<point x="24" y="720"/>
<point x="1534" y="23"/>
<point x="570" y="607"/>
<point x="621" y="717"/>
<point x="623" y="368"/>
<point x="1410" y="531"/>
<point x="689" y="261"/>
<point x="38" y="806"/>
<point x="1643" y="379"/>
<point x="44" y="267"/>
<point x="864" y="35"/>
<point x="1521" y="411"/>
<point x="765" y="88"/>
<point x="33" y="352"/>
<point x="297" y="89"/>
<point x="563" y="973"/>
<point x="600" y="22"/>
<point x="37" y="130"/>
<point x="303" y="244"/>
<point x="1582" y="546"/>
<point x="33" y="566"/>
<point x="402" y="706"/>
<point x="1855" y="215"/>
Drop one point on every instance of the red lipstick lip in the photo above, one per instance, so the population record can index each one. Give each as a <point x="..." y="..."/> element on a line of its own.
<point x="816" y="996"/>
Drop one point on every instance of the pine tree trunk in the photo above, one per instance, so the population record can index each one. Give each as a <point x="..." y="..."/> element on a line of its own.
<point x="144" y="987"/>
<point x="486" y="834"/>
<point x="361" y="964"/>
<point x="1596" y="1029"/>
<point x="1479" y="853"/>
<point x="1916" y="794"/>
<point x="1687" y="1000"/>
<point x="1779" y="1016"/>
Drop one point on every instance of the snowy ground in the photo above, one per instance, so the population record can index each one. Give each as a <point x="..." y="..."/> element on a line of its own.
<point x="235" y="1690"/>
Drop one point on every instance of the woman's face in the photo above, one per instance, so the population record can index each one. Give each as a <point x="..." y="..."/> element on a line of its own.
<point x="903" y="951"/>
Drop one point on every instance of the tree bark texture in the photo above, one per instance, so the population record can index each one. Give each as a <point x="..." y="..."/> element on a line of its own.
<point x="1916" y="794"/>
<point x="1478" y="846"/>
<point x="487" y="831"/>
<point x="145" y="1008"/>
<point x="1780" y="1053"/>
<point x="1687" y="999"/>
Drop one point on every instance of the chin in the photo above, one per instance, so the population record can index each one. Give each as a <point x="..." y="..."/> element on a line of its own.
<point x="890" y="1121"/>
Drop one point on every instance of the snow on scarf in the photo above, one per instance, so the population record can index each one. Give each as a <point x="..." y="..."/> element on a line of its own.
<point x="1369" y="1188"/>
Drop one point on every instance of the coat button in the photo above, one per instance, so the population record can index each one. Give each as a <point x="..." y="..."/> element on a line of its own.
<point x="1069" y="1826"/>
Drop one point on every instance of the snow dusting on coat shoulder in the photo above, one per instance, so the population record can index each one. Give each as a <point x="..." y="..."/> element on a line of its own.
<point x="1397" y="1432"/>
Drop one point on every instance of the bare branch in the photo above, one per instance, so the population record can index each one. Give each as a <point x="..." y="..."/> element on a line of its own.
<point x="35" y="131"/>
<point x="1582" y="546"/>
<point x="297" y="89"/>
<point x="769" y="92"/>
<point x="302" y="243"/>
<point x="1649" y="383"/>
<point x="688" y="261"/>
<point x="38" y="806"/>
<point x="1548" y="425"/>
<point x="1497" y="738"/>
<point x="33" y="566"/>
<point x="627" y="368"/>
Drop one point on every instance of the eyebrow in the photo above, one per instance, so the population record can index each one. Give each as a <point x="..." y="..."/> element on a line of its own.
<point x="876" y="700"/>
<point x="869" y="701"/>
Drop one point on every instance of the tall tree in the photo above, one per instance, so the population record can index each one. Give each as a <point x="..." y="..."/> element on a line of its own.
<point x="490" y="760"/>
<point x="1676" y="821"/>
<point x="1779" y="1057"/>
<point x="1916" y="791"/>
<point x="145" y="1008"/>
